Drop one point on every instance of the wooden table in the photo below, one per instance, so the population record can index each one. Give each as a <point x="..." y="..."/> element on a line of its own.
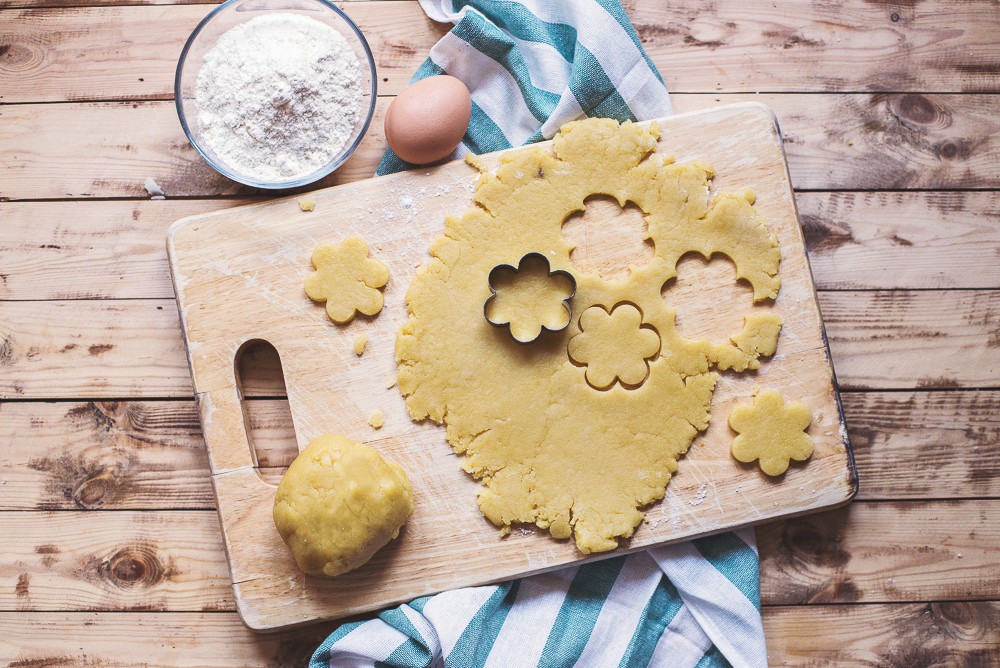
<point x="110" y="551"/>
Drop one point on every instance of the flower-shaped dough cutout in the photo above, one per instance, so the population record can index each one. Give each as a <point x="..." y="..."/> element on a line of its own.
<point x="614" y="346"/>
<point x="347" y="279"/>
<point x="771" y="431"/>
<point x="529" y="298"/>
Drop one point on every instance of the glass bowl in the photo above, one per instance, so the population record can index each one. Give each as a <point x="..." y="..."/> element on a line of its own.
<point x="234" y="12"/>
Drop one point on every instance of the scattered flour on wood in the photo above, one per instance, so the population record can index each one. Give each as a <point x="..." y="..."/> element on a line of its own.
<point x="278" y="96"/>
<point x="700" y="495"/>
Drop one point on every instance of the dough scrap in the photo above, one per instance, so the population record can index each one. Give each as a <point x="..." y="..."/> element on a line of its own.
<point x="339" y="503"/>
<point x="347" y="279"/>
<point x="548" y="448"/>
<point x="771" y="431"/>
<point x="360" y="343"/>
<point x="529" y="298"/>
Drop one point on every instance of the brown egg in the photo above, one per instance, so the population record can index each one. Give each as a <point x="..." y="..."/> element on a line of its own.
<point x="427" y="120"/>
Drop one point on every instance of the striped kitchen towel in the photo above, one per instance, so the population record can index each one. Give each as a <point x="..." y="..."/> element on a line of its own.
<point x="531" y="66"/>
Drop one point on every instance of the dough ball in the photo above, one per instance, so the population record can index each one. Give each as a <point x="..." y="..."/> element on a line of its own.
<point x="339" y="503"/>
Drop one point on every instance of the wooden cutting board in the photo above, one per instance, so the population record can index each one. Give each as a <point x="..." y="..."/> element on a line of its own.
<point x="238" y="276"/>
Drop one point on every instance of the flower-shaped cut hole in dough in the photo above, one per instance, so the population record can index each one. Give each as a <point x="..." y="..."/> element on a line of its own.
<point x="347" y="280"/>
<point x="771" y="431"/>
<point x="614" y="346"/>
<point x="529" y="298"/>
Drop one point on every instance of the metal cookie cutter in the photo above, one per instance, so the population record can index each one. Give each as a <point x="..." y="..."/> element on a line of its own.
<point x="521" y="265"/>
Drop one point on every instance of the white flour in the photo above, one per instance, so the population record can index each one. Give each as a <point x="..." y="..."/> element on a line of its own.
<point x="278" y="96"/>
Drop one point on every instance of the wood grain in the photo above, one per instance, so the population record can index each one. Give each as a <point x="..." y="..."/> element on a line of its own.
<point x="876" y="635"/>
<point x="174" y="561"/>
<point x="915" y="240"/>
<point x="833" y="142"/>
<point x="116" y="146"/>
<point x="935" y="340"/>
<point x="863" y="241"/>
<point x="113" y="250"/>
<point x="113" y="561"/>
<point x="132" y="640"/>
<point x="136" y="455"/>
<point x="851" y="46"/>
<point x="133" y="348"/>
<point x="870" y="552"/>
<point x="104" y="455"/>
<point x="92" y="348"/>
<point x="920" y="634"/>
<point x="49" y="55"/>
<point x="925" y="445"/>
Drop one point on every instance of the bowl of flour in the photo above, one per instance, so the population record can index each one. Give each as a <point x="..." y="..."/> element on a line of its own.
<point x="276" y="93"/>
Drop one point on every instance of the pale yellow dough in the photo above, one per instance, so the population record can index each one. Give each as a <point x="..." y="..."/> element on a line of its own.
<point x="772" y="432"/>
<point x="360" y="343"/>
<point x="627" y="360"/>
<point x="549" y="448"/>
<point x="347" y="279"/>
<point x="528" y="298"/>
<point x="339" y="503"/>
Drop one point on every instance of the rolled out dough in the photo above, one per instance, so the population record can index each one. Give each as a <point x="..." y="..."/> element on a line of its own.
<point x="549" y="448"/>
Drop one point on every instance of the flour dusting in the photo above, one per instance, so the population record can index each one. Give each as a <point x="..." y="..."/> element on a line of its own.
<point x="279" y="96"/>
<point x="700" y="495"/>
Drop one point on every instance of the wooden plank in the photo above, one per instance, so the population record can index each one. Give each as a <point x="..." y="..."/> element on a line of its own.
<point x="903" y="240"/>
<point x="871" y="142"/>
<point x="879" y="635"/>
<point x="133" y="640"/>
<point x="925" y="445"/>
<point x="113" y="561"/>
<point x="856" y="554"/>
<point x="123" y="455"/>
<point x="50" y="54"/>
<point x="92" y="348"/>
<point x="707" y="47"/>
<point x="112" y="250"/>
<point x="132" y="348"/>
<point x="845" y="46"/>
<point x="112" y="455"/>
<point x="920" y="634"/>
<point x="932" y="339"/>
<point x="150" y="455"/>
<point x="175" y="561"/>
<point x="116" y="146"/>
<point x="833" y="142"/>
<point x="872" y="240"/>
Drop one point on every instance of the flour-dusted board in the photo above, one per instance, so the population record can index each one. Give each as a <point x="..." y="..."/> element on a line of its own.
<point x="239" y="275"/>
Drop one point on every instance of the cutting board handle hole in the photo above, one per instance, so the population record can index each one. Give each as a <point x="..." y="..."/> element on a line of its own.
<point x="266" y="411"/>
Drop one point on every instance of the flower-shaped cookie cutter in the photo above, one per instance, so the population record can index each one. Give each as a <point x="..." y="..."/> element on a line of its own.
<point x="530" y="329"/>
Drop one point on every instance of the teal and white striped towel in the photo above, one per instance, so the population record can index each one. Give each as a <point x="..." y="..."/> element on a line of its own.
<point x="533" y="65"/>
